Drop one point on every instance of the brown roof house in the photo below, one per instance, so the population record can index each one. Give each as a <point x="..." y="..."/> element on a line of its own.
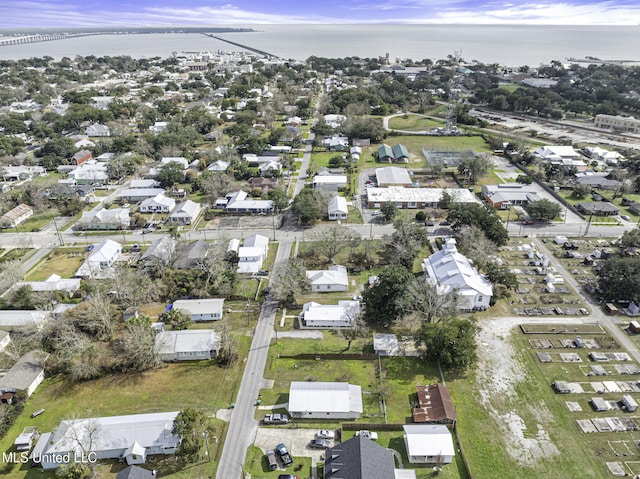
<point x="15" y="216"/>
<point x="434" y="405"/>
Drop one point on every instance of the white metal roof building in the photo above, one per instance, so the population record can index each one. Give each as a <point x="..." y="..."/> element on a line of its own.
<point x="334" y="278"/>
<point x="52" y="283"/>
<point x="185" y="213"/>
<point x="101" y="260"/>
<point x="157" y="204"/>
<point x="132" y="437"/>
<point x="334" y="400"/>
<point x="393" y="176"/>
<point x="416" y="197"/>
<point x="188" y="345"/>
<point x="449" y="270"/>
<point x="328" y="316"/>
<point x="428" y="443"/>
<point x="201" y="309"/>
<point x="337" y="208"/>
<point x="19" y="319"/>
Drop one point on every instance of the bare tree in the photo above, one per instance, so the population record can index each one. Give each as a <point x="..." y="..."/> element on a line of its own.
<point x="83" y="435"/>
<point x="289" y="281"/>
<point x="333" y="240"/>
<point x="137" y="350"/>
<point x="472" y="241"/>
<point x="130" y="287"/>
<point x="358" y="327"/>
<point x="423" y="300"/>
<point x="95" y="316"/>
<point x="10" y="273"/>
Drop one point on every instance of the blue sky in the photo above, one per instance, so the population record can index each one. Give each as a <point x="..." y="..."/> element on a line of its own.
<point x="137" y="13"/>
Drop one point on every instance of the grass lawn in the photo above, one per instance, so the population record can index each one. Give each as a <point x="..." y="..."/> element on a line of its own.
<point x="447" y="143"/>
<point x="321" y="158"/>
<point x="36" y="223"/>
<point x="256" y="465"/>
<point x="414" y="123"/>
<point x="63" y="262"/>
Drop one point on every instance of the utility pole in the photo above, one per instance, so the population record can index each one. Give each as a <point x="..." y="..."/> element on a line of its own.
<point x="60" y="238"/>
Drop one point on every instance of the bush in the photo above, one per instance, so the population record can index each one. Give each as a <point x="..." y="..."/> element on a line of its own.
<point x="421" y="216"/>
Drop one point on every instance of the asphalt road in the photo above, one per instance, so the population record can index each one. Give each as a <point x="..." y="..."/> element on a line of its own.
<point x="243" y="426"/>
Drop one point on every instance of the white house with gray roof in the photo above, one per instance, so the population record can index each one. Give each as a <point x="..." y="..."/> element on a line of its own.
<point x="132" y="438"/>
<point x="101" y="260"/>
<point x="25" y="375"/>
<point x="448" y="270"/>
<point x="185" y="213"/>
<point x="16" y="319"/>
<point x="337" y="208"/>
<point x="188" y="345"/>
<point x="201" y="309"/>
<point x="329" y="280"/>
<point x="104" y="219"/>
<point x="324" y="400"/>
<point x="158" y="204"/>
<point x="329" y="316"/>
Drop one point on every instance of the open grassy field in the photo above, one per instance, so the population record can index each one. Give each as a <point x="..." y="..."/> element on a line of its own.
<point x="63" y="262"/>
<point x="414" y="123"/>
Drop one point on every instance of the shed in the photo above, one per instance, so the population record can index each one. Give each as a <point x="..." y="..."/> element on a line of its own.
<point x="428" y="443"/>
<point x="385" y="344"/>
<point x="611" y="309"/>
<point x="629" y="403"/>
<point x="634" y="327"/>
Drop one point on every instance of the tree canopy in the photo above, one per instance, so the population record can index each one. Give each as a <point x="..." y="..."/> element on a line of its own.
<point x="543" y="210"/>
<point x="451" y="342"/>
<point x="384" y="300"/>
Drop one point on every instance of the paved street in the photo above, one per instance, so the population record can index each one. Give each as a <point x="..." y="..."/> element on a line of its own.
<point x="243" y="426"/>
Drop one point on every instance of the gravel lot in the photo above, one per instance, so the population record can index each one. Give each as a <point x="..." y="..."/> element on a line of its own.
<point x="296" y="440"/>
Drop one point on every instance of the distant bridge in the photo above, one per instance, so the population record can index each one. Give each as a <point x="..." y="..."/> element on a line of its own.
<point x="15" y="40"/>
<point x="251" y="49"/>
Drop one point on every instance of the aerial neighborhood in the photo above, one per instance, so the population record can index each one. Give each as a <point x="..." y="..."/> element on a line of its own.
<point x="232" y="265"/>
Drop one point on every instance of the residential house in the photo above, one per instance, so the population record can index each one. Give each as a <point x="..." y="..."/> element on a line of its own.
<point x="136" y="195"/>
<point x="98" y="130"/>
<point x="161" y="251"/>
<point x="597" y="180"/>
<point x="270" y="168"/>
<point x="136" y="472"/>
<point x="329" y="182"/>
<point x="329" y="316"/>
<point x="386" y="344"/>
<point x="101" y="102"/>
<point x="412" y="198"/>
<point x="190" y="255"/>
<point x="276" y="150"/>
<point x="355" y="152"/>
<point x="144" y="184"/>
<point x="562" y="156"/>
<point x="201" y="309"/>
<point x="598" y="208"/>
<point x="324" y="400"/>
<point x="15" y="216"/>
<point x="157" y="204"/>
<point x="434" y="405"/>
<point x="159" y="127"/>
<point x="20" y="173"/>
<point x="188" y="345"/>
<point x="90" y="173"/>
<point x="334" y="121"/>
<point x="12" y="320"/>
<point x="237" y="202"/>
<point x="106" y="157"/>
<point x="104" y="219"/>
<point x="337" y="208"/>
<point x="610" y="158"/>
<point x="393" y="154"/>
<point x="25" y="375"/>
<point x="100" y="261"/>
<point x="264" y="183"/>
<point x="448" y="270"/>
<point x="80" y="157"/>
<point x="255" y="160"/>
<point x="185" y="213"/>
<point x="132" y="438"/>
<point x="219" y="166"/>
<point x="252" y="254"/>
<point x="336" y="143"/>
<point x="428" y="443"/>
<point x="53" y="283"/>
<point x="362" y="458"/>
<point x="330" y="280"/>
<point x="393" y="176"/>
<point x="509" y="194"/>
<point x="180" y="160"/>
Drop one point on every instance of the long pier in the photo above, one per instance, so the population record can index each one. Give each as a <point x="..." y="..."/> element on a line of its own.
<point x="246" y="47"/>
<point x="5" y="41"/>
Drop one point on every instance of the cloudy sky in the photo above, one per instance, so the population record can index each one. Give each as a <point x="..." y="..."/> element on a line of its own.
<point x="152" y="13"/>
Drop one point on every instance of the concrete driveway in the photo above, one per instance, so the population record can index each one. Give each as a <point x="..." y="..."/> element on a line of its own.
<point x="296" y="440"/>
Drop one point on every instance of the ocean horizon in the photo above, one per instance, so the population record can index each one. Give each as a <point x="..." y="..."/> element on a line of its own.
<point x="507" y="45"/>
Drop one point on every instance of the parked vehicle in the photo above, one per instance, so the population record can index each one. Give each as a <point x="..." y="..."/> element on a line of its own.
<point x="276" y="419"/>
<point x="325" y="434"/>
<point x="272" y="463"/>
<point x="90" y="247"/>
<point x="368" y="434"/>
<point x="320" y="444"/>
<point x="287" y="476"/>
<point x="285" y="457"/>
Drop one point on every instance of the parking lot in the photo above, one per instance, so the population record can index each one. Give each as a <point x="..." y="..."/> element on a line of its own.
<point x="296" y="440"/>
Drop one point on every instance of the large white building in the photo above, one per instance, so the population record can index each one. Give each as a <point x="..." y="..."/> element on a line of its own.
<point x="188" y="345"/>
<point x="252" y="254"/>
<point x="416" y="197"/>
<point x="449" y="270"/>
<point x="325" y="400"/>
<point x="621" y="123"/>
<point x="100" y="262"/>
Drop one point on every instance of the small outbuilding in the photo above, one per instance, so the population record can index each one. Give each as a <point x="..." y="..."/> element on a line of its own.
<point x="428" y="443"/>
<point x="629" y="403"/>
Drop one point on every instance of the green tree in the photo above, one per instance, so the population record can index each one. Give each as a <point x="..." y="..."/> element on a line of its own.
<point x="176" y="318"/>
<point x="524" y="179"/>
<point x="486" y="219"/>
<point x="307" y="207"/>
<point x="385" y="299"/>
<point x="389" y="211"/>
<point x="619" y="278"/>
<point x="544" y="210"/>
<point x="404" y="244"/>
<point x="451" y="342"/>
<point x="474" y="166"/>
<point x="630" y="239"/>
<point x="502" y="278"/>
<point x="73" y="470"/>
<point x="170" y="174"/>
<point x="191" y="426"/>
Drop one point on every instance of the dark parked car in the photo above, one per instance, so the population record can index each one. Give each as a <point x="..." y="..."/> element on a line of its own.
<point x="270" y="456"/>
<point x="429" y="223"/>
<point x="285" y="457"/>
<point x="287" y="476"/>
<point x="90" y="247"/>
<point x="445" y="223"/>
<point x="319" y="444"/>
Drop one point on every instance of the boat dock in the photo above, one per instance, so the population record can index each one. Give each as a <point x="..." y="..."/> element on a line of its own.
<point x="246" y="47"/>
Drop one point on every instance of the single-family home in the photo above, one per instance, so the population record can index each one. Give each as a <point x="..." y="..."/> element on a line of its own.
<point x="448" y="270"/>
<point x="329" y="182"/>
<point x="386" y="344"/>
<point x="161" y="250"/>
<point x="80" y="157"/>
<point x="336" y="143"/>
<point x="329" y="280"/>
<point x="188" y="345"/>
<point x="337" y="208"/>
<point x="238" y="202"/>
<point x="610" y="158"/>
<point x="101" y="260"/>
<point x="104" y="219"/>
<point x="434" y="405"/>
<point x="144" y="184"/>
<point x="90" y="173"/>
<point x="334" y="121"/>
<point x="22" y="172"/>
<point x="562" y="156"/>
<point x="201" y="309"/>
<point x="362" y="458"/>
<point x="136" y="195"/>
<point x="428" y="443"/>
<point x="598" y="208"/>
<point x="25" y="375"/>
<point x="329" y="316"/>
<point x="157" y="204"/>
<point x="411" y="198"/>
<point x="252" y="253"/>
<point x="15" y="216"/>
<point x="53" y="283"/>
<point x="190" y="255"/>
<point x="509" y="194"/>
<point x="159" y="127"/>
<point x="132" y="438"/>
<point x="185" y="213"/>
<point x="355" y="152"/>
<point x="324" y="400"/>
<point x="393" y="154"/>
<point x="101" y="102"/>
<point x="136" y="472"/>
<point x="270" y="168"/>
<point x="98" y="130"/>
<point x="393" y="176"/>
<point x="597" y="180"/>
<point x="180" y="160"/>
<point x="16" y="319"/>
<point x="219" y="166"/>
